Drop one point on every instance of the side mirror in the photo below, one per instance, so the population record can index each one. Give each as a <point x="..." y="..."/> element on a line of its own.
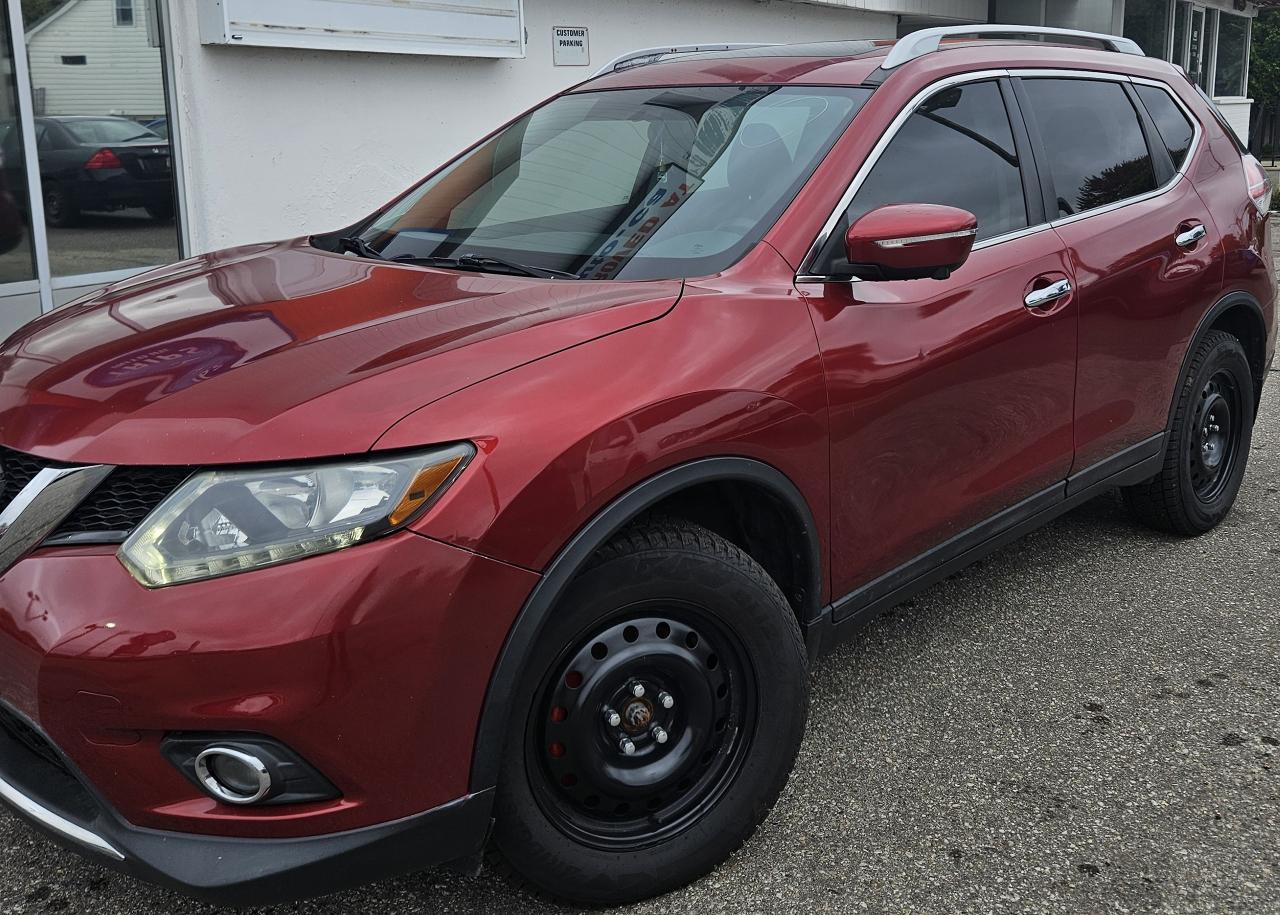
<point x="910" y="241"/>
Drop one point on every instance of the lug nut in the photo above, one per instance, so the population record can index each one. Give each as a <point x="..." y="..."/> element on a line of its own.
<point x="666" y="700"/>
<point x="612" y="718"/>
<point x="637" y="690"/>
<point x="627" y="747"/>
<point x="658" y="734"/>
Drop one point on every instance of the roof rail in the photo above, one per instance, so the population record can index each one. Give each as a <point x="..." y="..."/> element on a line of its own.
<point x="652" y="55"/>
<point x="926" y="41"/>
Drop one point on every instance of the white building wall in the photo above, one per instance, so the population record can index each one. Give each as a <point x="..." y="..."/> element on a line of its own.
<point x="1236" y="112"/>
<point x="282" y="142"/>
<point x="122" y="71"/>
<point x="973" y="10"/>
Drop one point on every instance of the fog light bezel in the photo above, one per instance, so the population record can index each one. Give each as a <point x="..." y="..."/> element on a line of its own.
<point x="294" y="781"/>
<point x="211" y="783"/>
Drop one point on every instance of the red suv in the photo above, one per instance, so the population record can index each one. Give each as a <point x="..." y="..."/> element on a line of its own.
<point x="512" y="516"/>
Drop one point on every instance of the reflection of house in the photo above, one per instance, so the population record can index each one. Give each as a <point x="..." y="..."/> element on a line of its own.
<point x="96" y="57"/>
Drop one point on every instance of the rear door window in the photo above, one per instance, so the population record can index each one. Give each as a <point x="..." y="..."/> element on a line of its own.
<point x="1176" y="131"/>
<point x="1093" y="140"/>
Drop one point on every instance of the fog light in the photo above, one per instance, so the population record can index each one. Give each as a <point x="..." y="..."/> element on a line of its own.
<point x="232" y="776"/>
<point x="243" y="768"/>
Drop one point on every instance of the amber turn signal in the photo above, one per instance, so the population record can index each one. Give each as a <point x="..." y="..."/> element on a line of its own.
<point x="423" y="487"/>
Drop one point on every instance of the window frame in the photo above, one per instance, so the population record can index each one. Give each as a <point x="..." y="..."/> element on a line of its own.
<point x="1020" y="120"/>
<point x="119" y="6"/>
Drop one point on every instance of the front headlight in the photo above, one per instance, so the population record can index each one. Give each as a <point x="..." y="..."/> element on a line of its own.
<point x="224" y="521"/>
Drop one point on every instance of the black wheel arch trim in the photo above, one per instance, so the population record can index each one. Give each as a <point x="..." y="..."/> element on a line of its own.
<point x="1217" y="310"/>
<point x="491" y="731"/>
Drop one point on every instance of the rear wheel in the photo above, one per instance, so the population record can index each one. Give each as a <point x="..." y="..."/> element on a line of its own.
<point x="60" y="209"/>
<point x="657" y="723"/>
<point x="1208" y="443"/>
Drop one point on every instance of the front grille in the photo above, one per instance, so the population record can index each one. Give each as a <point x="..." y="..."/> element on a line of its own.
<point x="111" y="511"/>
<point x="19" y="469"/>
<point x="30" y="738"/>
<point x="122" y="500"/>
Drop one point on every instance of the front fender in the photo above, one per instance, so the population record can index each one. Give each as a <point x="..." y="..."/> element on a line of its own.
<point x="559" y="440"/>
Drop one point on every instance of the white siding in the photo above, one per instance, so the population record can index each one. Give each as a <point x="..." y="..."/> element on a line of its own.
<point x="123" y="72"/>
<point x="1236" y="111"/>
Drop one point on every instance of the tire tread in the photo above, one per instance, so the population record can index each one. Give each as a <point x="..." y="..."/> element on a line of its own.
<point x="1158" y="502"/>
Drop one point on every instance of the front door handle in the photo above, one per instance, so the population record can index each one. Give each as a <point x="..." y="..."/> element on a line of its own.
<point x="1038" y="298"/>
<point x="1192" y="235"/>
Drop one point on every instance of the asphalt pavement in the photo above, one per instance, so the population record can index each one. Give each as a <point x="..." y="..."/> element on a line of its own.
<point x="99" y="242"/>
<point x="1088" y="721"/>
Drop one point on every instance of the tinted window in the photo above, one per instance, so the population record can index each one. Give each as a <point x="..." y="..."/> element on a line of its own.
<point x="1175" y="130"/>
<point x="957" y="149"/>
<point x="1093" y="140"/>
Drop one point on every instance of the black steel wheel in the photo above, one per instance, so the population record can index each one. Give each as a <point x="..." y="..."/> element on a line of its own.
<point x="657" y="721"/>
<point x="1208" y="443"/>
<point x="643" y="726"/>
<point x="1211" y="454"/>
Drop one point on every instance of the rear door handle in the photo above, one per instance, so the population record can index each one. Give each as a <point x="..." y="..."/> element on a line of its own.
<point x="1192" y="235"/>
<point x="1038" y="298"/>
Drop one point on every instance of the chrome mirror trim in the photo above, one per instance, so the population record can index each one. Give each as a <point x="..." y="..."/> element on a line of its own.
<point x="921" y="239"/>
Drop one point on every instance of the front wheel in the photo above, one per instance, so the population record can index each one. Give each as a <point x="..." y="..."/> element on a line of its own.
<point x="657" y="722"/>
<point x="1208" y="444"/>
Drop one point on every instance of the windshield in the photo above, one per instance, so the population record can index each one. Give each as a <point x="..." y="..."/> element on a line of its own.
<point x="626" y="184"/>
<point x="108" y="130"/>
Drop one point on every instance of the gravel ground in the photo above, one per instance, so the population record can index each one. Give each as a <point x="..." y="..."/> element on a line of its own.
<point x="1085" y="722"/>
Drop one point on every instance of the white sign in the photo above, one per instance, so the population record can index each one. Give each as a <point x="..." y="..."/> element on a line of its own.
<point x="569" y="47"/>
<point x="492" y="28"/>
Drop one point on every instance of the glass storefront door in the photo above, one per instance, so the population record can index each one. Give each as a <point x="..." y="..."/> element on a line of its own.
<point x="87" y="154"/>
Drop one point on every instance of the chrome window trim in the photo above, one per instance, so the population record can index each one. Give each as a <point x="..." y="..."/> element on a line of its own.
<point x="55" y="823"/>
<point x="804" y="276"/>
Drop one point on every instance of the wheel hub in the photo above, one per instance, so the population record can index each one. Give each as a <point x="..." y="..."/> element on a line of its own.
<point x="638" y="716"/>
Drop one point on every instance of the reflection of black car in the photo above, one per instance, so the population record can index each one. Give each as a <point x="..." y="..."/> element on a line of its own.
<point x="95" y="163"/>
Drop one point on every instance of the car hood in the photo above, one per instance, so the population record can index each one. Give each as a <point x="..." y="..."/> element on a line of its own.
<point x="281" y="352"/>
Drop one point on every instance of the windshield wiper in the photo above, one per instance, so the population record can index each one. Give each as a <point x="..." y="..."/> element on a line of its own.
<point x="357" y="245"/>
<point x="484" y="262"/>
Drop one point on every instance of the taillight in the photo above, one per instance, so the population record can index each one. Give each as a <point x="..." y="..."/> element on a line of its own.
<point x="104" y="158"/>
<point x="1259" y="184"/>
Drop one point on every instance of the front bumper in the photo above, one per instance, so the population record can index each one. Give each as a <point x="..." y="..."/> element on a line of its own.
<point x="229" y="871"/>
<point x="371" y="663"/>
